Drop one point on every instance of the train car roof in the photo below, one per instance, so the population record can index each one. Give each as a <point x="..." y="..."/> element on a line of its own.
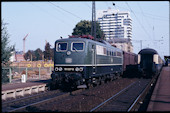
<point x="129" y="52"/>
<point x="85" y="39"/>
<point x="148" y="51"/>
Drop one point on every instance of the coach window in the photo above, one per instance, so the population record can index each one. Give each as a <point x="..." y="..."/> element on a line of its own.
<point x="77" y="46"/>
<point x="105" y="52"/>
<point x="112" y="53"/>
<point x="108" y="52"/>
<point x="61" y="46"/>
<point x="119" y="54"/>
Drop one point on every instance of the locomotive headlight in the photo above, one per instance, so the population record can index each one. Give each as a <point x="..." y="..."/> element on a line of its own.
<point x="81" y="69"/>
<point x="60" y="68"/>
<point x="56" y="68"/>
<point x="68" y="52"/>
<point x="76" y="69"/>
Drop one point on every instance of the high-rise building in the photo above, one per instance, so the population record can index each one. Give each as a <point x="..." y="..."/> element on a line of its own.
<point x="117" y="27"/>
<point x="115" y="23"/>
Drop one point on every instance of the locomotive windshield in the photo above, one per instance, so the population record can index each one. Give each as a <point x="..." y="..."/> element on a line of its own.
<point x="61" y="46"/>
<point x="77" y="46"/>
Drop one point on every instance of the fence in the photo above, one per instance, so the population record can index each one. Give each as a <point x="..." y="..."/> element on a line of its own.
<point x="32" y="73"/>
<point x="8" y="73"/>
<point x="33" y="64"/>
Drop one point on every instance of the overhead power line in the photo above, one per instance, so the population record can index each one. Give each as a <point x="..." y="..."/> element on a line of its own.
<point x="138" y="20"/>
<point x="65" y="10"/>
<point x="88" y="6"/>
<point x="43" y="10"/>
<point x="144" y="15"/>
<point x="149" y="15"/>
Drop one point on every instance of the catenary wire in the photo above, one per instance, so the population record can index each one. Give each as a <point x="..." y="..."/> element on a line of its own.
<point x="43" y="10"/>
<point x="66" y="11"/>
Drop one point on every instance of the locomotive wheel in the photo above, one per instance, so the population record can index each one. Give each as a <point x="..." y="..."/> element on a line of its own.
<point x="112" y="77"/>
<point x="89" y="85"/>
<point x="99" y="81"/>
<point x="102" y="80"/>
<point x="109" y="78"/>
<point x="118" y="75"/>
<point x="105" y="79"/>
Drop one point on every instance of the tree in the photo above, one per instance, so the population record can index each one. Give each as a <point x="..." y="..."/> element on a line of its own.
<point x="30" y="55"/>
<point x="39" y="54"/>
<point x="84" y="28"/>
<point x="6" y="50"/>
<point x="48" y="52"/>
<point x="52" y="53"/>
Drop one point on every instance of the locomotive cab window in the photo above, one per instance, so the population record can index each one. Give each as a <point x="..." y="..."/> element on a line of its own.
<point x="61" y="46"/>
<point x="77" y="46"/>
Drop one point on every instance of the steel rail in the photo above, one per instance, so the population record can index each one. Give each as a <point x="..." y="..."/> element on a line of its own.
<point x="16" y="101"/>
<point x="46" y="100"/>
<point x="145" y="90"/>
<point x="36" y="103"/>
<point x="112" y="97"/>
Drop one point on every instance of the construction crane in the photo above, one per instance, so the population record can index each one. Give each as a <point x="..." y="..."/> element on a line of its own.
<point x="24" y="43"/>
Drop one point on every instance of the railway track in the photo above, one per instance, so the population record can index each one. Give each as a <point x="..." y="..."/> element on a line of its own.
<point x="22" y="104"/>
<point x="128" y="96"/>
<point x="12" y="105"/>
<point x="128" y="99"/>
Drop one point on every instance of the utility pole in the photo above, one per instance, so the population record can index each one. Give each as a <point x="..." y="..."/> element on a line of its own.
<point x="24" y="43"/>
<point x="93" y="23"/>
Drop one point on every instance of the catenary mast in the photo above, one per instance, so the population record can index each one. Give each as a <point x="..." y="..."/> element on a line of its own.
<point x="93" y="23"/>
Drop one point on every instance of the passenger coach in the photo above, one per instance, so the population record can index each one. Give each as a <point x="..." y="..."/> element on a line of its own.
<point x="150" y="63"/>
<point x="80" y="61"/>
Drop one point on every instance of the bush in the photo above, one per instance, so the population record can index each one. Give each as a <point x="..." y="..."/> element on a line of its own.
<point x="4" y="74"/>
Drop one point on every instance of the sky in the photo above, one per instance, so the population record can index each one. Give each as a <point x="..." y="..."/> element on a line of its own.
<point x="48" y="21"/>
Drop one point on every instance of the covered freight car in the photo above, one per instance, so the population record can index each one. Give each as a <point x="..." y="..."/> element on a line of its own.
<point x="129" y="59"/>
<point x="130" y="66"/>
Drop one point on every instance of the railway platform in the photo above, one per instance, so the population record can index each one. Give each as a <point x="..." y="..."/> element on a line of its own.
<point x="12" y="90"/>
<point x="160" y="99"/>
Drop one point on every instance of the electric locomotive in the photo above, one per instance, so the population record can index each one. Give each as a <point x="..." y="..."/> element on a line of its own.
<point x="150" y="63"/>
<point x="81" y="61"/>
